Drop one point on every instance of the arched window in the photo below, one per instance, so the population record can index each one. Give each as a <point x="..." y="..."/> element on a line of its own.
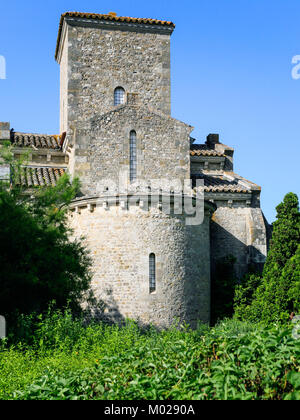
<point x="152" y="273"/>
<point x="133" y="165"/>
<point x="119" y="96"/>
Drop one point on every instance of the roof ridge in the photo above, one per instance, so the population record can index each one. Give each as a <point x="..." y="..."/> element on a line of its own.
<point x="147" y="108"/>
<point x="111" y="17"/>
<point x="35" y="134"/>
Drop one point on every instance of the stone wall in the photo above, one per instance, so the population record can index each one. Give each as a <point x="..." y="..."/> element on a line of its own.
<point x="239" y="231"/>
<point x="121" y="241"/>
<point x="101" y="152"/>
<point x="64" y="78"/>
<point x="4" y="131"/>
<point x="4" y="137"/>
<point x="97" y="60"/>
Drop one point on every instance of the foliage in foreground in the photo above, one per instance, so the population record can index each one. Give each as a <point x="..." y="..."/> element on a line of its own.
<point x="233" y="360"/>
<point x="276" y="294"/>
<point x="39" y="262"/>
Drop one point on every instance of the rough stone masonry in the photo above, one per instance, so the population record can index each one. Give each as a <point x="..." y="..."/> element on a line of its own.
<point x="117" y="128"/>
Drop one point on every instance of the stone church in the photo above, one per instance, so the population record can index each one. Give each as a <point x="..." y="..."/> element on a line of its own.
<point x="116" y="131"/>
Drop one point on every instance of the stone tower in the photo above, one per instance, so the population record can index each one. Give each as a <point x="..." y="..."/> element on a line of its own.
<point x="153" y="257"/>
<point x="99" y="54"/>
<point x="115" y="108"/>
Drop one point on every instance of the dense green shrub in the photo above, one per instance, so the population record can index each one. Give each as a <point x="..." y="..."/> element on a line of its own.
<point x="38" y="261"/>
<point x="234" y="360"/>
<point x="276" y="294"/>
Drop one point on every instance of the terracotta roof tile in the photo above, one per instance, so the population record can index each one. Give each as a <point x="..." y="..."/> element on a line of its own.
<point x="220" y="183"/>
<point x="109" y="17"/>
<point x="39" y="141"/>
<point x="203" y="150"/>
<point x="40" y="177"/>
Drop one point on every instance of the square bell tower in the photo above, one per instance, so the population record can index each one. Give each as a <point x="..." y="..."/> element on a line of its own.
<point x="103" y="58"/>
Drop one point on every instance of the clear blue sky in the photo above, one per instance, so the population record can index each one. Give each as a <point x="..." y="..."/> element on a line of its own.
<point x="231" y="74"/>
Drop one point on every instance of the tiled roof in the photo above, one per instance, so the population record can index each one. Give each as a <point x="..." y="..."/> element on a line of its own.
<point x="220" y="183"/>
<point x="109" y="17"/>
<point x="39" y="141"/>
<point x="204" y="150"/>
<point x="40" y="177"/>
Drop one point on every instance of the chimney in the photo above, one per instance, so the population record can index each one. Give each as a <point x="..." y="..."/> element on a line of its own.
<point x="212" y="140"/>
<point x="4" y="131"/>
<point x="4" y="167"/>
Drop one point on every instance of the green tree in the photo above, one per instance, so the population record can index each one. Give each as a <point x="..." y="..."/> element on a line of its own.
<point x="275" y="295"/>
<point x="39" y="262"/>
<point x="288" y="295"/>
<point x="285" y="236"/>
<point x="243" y="297"/>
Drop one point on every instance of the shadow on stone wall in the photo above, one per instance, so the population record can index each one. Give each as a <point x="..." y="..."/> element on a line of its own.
<point x="105" y="310"/>
<point x="223" y="244"/>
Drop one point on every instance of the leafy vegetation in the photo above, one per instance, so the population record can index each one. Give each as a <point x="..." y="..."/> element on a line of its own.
<point x="276" y="294"/>
<point x="56" y="356"/>
<point x="38" y="261"/>
<point x="231" y="361"/>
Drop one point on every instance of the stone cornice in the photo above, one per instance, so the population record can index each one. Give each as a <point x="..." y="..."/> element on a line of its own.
<point x="31" y="151"/>
<point x="227" y="196"/>
<point x="213" y="159"/>
<point x="143" y="199"/>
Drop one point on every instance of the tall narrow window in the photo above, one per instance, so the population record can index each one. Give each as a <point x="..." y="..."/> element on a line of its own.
<point x="152" y="273"/>
<point x="132" y="175"/>
<point x="119" y="96"/>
